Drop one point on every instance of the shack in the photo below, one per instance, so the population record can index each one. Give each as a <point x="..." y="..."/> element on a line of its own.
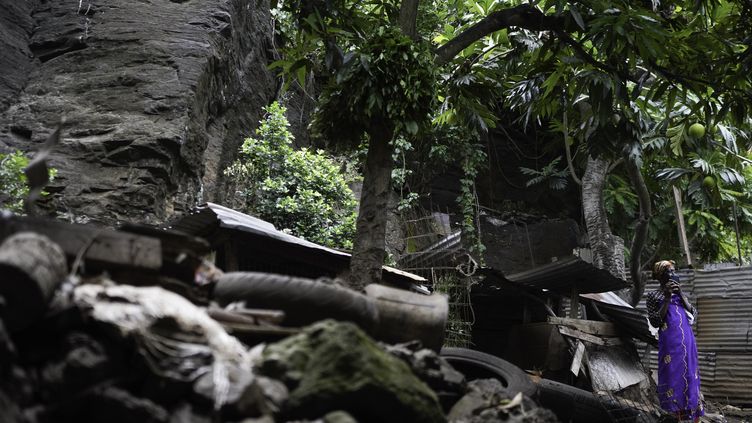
<point x="245" y="243"/>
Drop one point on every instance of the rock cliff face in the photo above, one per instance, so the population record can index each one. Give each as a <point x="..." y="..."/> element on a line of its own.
<point x="157" y="96"/>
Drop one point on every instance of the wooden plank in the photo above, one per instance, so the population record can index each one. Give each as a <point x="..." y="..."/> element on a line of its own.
<point x="102" y="246"/>
<point x="574" y="303"/>
<point x="681" y="227"/>
<point x="574" y="333"/>
<point x="592" y="327"/>
<point x="577" y="360"/>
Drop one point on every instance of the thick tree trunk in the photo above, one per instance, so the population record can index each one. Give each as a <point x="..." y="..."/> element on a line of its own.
<point x="408" y="18"/>
<point x="368" y="250"/>
<point x="641" y="230"/>
<point x="607" y="248"/>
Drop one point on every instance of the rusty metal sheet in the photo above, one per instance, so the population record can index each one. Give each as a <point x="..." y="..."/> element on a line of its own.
<point x="566" y="273"/>
<point x="731" y="379"/>
<point x="613" y="368"/>
<point x="732" y="282"/>
<point x="724" y="324"/>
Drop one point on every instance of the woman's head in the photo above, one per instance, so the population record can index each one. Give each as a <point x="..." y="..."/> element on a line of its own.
<point x="663" y="269"/>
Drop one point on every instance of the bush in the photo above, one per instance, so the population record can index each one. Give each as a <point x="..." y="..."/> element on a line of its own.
<point x="13" y="186"/>
<point x="299" y="191"/>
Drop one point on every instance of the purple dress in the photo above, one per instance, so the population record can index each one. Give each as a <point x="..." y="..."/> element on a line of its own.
<point x="678" y="370"/>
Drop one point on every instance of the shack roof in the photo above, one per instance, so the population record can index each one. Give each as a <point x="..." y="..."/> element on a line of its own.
<point x="215" y="223"/>
<point x="632" y="320"/>
<point x="568" y="272"/>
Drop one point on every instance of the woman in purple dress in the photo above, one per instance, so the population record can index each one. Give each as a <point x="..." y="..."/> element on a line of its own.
<point x="678" y="370"/>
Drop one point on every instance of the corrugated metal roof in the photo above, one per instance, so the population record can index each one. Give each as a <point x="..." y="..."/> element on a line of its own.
<point x="565" y="273"/>
<point x="633" y="321"/>
<point x="724" y="324"/>
<point x="437" y="255"/>
<point x="207" y="218"/>
<point x="731" y="282"/>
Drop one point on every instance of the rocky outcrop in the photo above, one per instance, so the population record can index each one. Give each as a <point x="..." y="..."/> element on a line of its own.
<point x="333" y="366"/>
<point x="157" y="97"/>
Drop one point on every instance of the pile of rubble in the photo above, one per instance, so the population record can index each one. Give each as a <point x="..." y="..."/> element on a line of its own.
<point x="122" y="326"/>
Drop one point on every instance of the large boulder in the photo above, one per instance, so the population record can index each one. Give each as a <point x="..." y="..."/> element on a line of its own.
<point x="157" y="97"/>
<point x="333" y="366"/>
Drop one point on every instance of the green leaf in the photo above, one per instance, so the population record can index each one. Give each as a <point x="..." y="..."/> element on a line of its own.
<point x="576" y="15"/>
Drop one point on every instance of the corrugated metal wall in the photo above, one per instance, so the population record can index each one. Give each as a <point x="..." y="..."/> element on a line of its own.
<point x="723" y="297"/>
<point x="734" y="282"/>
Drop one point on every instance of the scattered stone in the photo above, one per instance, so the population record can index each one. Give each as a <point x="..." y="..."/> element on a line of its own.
<point x="84" y="364"/>
<point x="32" y="266"/>
<point x="334" y="366"/>
<point x="9" y="412"/>
<point x="186" y="413"/>
<point x="178" y="340"/>
<point x="339" y="416"/>
<point x="109" y="404"/>
<point x="487" y="401"/>
<point x="431" y="368"/>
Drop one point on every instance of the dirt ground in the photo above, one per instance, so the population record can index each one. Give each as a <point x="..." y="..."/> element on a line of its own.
<point x="724" y="413"/>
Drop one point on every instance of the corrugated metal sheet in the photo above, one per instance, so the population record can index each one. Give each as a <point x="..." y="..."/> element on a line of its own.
<point x="633" y="321"/>
<point x="205" y="220"/>
<point x="724" y="324"/>
<point x="733" y="282"/>
<point x="565" y="273"/>
<point x="731" y="379"/>
<point x="437" y="255"/>
<point x="613" y="368"/>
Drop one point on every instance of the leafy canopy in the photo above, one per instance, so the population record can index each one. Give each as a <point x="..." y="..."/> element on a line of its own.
<point x="300" y="191"/>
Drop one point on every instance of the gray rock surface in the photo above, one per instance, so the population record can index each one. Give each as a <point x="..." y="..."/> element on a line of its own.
<point x="333" y="366"/>
<point x="157" y="97"/>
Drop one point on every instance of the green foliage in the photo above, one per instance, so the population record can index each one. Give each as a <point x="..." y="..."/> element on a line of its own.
<point x="300" y="191"/>
<point x="13" y="181"/>
<point x="556" y="179"/>
<point x="13" y="186"/>
<point x="388" y="82"/>
<point x="614" y="76"/>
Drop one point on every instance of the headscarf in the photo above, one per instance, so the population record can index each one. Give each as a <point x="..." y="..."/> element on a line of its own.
<point x="661" y="268"/>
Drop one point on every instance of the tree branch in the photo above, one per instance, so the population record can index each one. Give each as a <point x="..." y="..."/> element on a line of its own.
<point x="570" y="165"/>
<point x="522" y="16"/>
<point x="641" y="229"/>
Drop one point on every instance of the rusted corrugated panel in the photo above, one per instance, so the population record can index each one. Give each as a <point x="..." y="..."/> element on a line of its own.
<point x="724" y="324"/>
<point x="732" y="282"/>
<point x="565" y="273"/>
<point x="731" y="380"/>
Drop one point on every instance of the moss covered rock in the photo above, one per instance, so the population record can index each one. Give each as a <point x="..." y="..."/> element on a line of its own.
<point x="335" y="366"/>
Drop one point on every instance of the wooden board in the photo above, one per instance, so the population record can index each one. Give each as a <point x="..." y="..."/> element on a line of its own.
<point x="574" y="333"/>
<point x="102" y="246"/>
<point x="592" y="327"/>
<point x="577" y="360"/>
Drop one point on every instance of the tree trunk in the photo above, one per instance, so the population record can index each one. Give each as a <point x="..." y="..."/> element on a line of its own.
<point x="607" y="248"/>
<point x="641" y="230"/>
<point x="408" y="18"/>
<point x="370" y="229"/>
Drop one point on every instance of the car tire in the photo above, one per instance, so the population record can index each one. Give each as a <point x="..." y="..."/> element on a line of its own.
<point x="479" y="365"/>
